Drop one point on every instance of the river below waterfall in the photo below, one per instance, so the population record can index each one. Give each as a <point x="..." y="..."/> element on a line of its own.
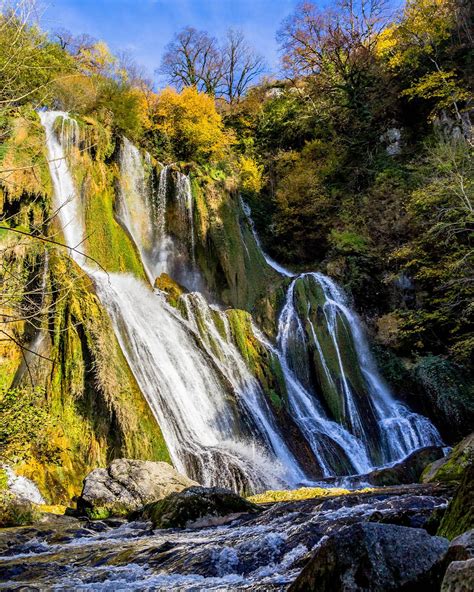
<point x="251" y="552"/>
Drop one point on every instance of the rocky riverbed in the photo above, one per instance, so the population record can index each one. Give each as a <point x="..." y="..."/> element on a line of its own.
<point x="263" y="551"/>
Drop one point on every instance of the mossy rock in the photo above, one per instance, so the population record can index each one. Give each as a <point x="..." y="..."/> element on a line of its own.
<point x="451" y="467"/>
<point x="196" y="506"/>
<point x="16" y="511"/>
<point x="459" y="516"/>
<point x="172" y="289"/>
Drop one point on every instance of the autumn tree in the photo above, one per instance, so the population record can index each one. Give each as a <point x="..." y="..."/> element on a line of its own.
<point x="190" y="123"/>
<point x="419" y="47"/>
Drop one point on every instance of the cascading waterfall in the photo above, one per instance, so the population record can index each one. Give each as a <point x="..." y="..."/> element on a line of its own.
<point x="67" y="203"/>
<point x="402" y="430"/>
<point x="184" y="197"/>
<point x="396" y="431"/>
<point x="213" y="413"/>
<point x="198" y="407"/>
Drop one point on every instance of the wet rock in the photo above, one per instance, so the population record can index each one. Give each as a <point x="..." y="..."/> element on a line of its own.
<point x="126" y="485"/>
<point x="459" y="516"/>
<point x="451" y="467"/>
<point x="459" y="577"/>
<point x="407" y="471"/>
<point x="197" y="507"/>
<point x="462" y="547"/>
<point x="374" y="557"/>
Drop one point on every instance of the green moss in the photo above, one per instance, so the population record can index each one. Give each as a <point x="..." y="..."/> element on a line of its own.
<point x="262" y="363"/>
<point x="451" y="467"/>
<point x="107" y="242"/>
<point x="459" y="516"/>
<point x="171" y="288"/>
<point x="100" y="513"/>
<point x="3" y="480"/>
<point x="302" y="493"/>
<point x="226" y="252"/>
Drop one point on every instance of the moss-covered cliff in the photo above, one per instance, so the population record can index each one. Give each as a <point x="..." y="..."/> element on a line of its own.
<point x="63" y="339"/>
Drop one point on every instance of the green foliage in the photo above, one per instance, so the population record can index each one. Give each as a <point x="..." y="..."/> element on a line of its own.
<point x="439" y="256"/>
<point x="26" y="426"/>
<point x="347" y="241"/>
<point x="29" y="62"/>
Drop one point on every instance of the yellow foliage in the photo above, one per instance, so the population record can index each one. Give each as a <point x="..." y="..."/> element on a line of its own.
<point x="302" y="493"/>
<point x="251" y="174"/>
<point x="190" y="122"/>
<point x="425" y="24"/>
<point x="98" y="59"/>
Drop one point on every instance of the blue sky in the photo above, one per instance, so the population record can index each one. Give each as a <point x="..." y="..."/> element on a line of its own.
<point x="144" y="27"/>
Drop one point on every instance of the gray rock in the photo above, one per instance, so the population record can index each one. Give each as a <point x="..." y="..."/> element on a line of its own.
<point x="459" y="577"/>
<point x="462" y="547"/>
<point x="406" y="471"/>
<point x="126" y="485"/>
<point x="197" y="507"/>
<point x="373" y="557"/>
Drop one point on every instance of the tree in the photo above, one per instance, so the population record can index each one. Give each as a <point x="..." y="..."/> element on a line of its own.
<point x="333" y="41"/>
<point x="190" y="122"/>
<point x="192" y="58"/>
<point x="29" y="62"/>
<point x="242" y="65"/>
<point x="417" y="48"/>
<point x="330" y="58"/>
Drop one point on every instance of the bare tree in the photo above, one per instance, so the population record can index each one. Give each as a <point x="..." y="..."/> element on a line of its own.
<point x="192" y="58"/>
<point x="317" y="42"/>
<point x="242" y="65"/>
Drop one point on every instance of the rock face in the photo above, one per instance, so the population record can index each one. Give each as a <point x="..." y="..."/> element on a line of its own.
<point x="407" y="471"/>
<point x="459" y="516"/>
<point x="374" y="557"/>
<point x="126" y="485"/>
<point x="452" y="466"/>
<point x="459" y="577"/>
<point x="196" y="506"/>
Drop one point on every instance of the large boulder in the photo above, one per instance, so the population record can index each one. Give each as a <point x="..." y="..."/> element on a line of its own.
<point x="126" y="485"/>
<point x="462" y="547"/>
<point x="406" y="471"/>
<point x="196" y="507"/>
<point x="459" y="577"/>
<point x="371" y="557"/>
<point x="459" y="516"/>
<point x="451" y="467"/>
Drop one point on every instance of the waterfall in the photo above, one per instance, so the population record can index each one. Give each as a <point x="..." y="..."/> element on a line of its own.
<point x="184" y="197"/>
<point x="402" y="430"/>
<point x="67" y="205"/>
<point x="394" y="432"/>
<point x="213" y="412"/>
<point x="197" y="398"/>
<point x="271" y="262"/>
